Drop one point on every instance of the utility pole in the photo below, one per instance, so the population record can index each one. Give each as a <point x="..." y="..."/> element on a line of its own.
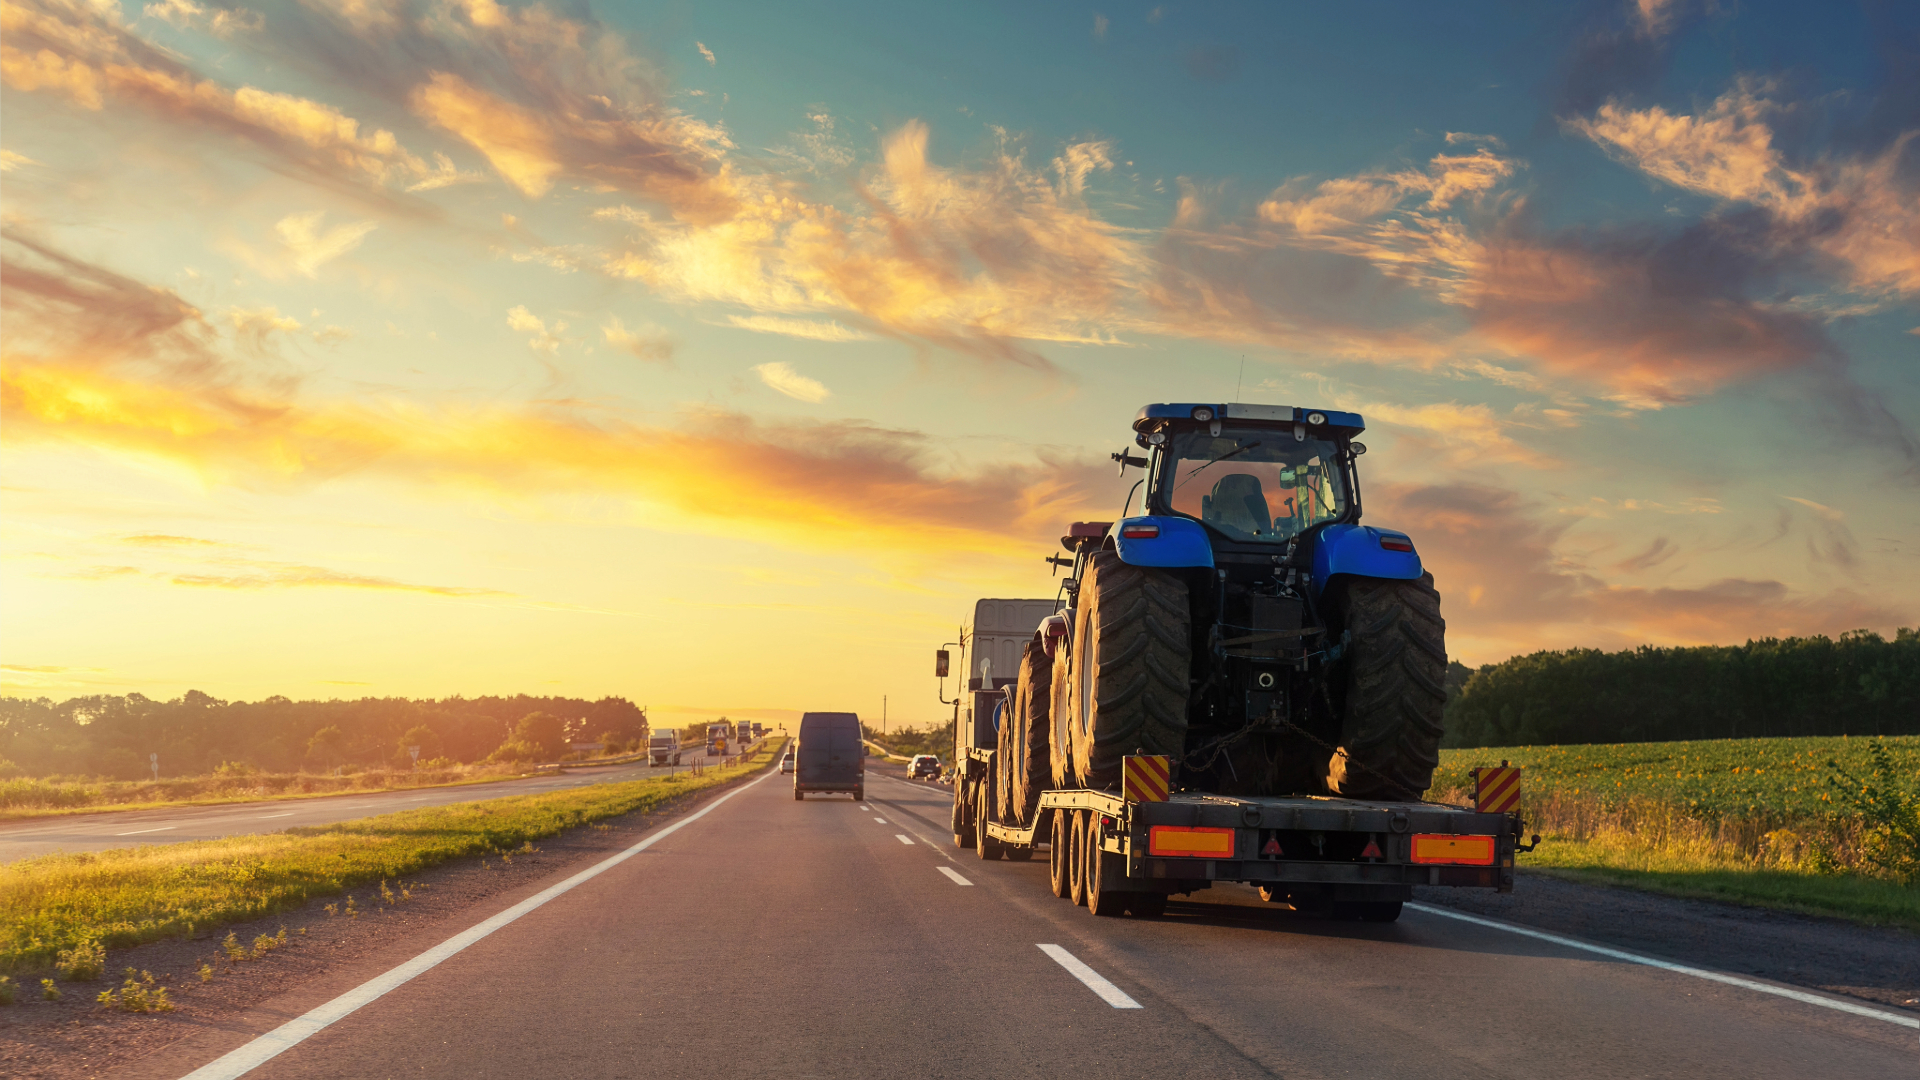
<point x="883" y="716"/>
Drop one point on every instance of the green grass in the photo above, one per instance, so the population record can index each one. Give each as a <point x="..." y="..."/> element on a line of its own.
<point x="56" y="903"/>
<point x="1753" y="821"/>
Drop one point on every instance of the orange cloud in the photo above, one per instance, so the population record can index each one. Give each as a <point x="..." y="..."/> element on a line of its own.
<point x="808" y="485"/>
<point x="1864" y="213"/>
<point x="1508" y="590"/>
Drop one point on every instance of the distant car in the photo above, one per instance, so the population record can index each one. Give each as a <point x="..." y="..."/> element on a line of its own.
<point x="786" y="762"/>
<point x="923" y="765"/>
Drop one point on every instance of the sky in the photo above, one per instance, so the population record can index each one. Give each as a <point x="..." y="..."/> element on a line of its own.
<point x="719" y="356"/>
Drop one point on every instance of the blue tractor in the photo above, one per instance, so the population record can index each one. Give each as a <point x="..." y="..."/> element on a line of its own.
<point x="1239" y="619"/>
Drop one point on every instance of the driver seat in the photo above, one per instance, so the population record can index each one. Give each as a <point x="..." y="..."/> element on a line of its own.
<point x="1238" y="505"/>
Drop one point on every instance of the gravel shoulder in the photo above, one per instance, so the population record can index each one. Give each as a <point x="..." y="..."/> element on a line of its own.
<point x="1877" y="964"/>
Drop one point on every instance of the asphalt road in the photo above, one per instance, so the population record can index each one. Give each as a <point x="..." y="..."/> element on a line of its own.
<point x="131" y="828"/>
<point x="841" y="942"/>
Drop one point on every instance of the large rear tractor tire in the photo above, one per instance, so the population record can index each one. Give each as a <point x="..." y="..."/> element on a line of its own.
<point x="1395" y="689"/>
<point x="1059" y="716"/>
<point x="1131" y="655"/>
<point x="1060" y="870"/>
<point x="1024" y="739"/>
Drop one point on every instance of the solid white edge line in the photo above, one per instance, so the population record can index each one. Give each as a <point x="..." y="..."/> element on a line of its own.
<point x="143" y="832"/>
<point x="265" y="1048"/>
<point x="902" y="837"/>
<point x="1667" y="965"/>
<point x="954" y="874"/>
<point x="1097" y="983"/>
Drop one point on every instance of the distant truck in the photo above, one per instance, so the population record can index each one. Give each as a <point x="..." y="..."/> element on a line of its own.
<point x="830" y="755"/>
<point x="717" y="735"/>
<point x="743" y="733"/>
<point x="664" y="749"/>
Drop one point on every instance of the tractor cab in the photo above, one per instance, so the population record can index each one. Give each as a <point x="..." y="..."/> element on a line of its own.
<point x="1251" y="479"/>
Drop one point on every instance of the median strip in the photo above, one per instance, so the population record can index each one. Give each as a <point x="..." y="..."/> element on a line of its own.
<point x="1682" y="969"/>
<point x="1095" y="982"/>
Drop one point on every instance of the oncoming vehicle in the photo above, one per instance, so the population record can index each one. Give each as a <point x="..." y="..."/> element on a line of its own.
<point x="717" y="735"/>
<point x="664" y="749"/>
<point x="926" y="765"/>
<point x="786" y="762"/>
<point x="830" y="756"/>
<point x="1243" y="683"/>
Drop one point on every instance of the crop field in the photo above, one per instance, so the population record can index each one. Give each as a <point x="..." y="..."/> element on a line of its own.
<point x="1716" y="778"/>
<point x="1756" y="821"/>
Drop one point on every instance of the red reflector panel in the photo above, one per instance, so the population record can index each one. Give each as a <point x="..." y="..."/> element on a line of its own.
<point x="1195" y="843"/>
<point x="1140" y="532"/>
<point x="1392" y="544"/>
<point x="1470" y="850"/>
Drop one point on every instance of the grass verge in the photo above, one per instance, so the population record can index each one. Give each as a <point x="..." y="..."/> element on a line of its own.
<point x="57" y="903"/>
<point x="23" y="798"/>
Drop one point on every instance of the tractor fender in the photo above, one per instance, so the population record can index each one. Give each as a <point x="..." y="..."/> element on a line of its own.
<point x="1174" y="542"/>
<point x="1357" y="550"/>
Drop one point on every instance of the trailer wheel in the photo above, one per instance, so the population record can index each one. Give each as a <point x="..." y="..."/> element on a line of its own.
<point x="1061" y="877"/>
<point x="1077" y="858"/>
<point x="1147" y="905"/>
<point x="988" y="847"/>
<point x="1104" y="869"/>
<point x="1131" y="659"/>
<point x="1395" y="689"/>
<point x="1023" y="751"/>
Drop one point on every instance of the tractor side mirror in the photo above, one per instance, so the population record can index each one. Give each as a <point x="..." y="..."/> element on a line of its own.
<point x="940" y="663"/>
<point x="1125" y="459"/>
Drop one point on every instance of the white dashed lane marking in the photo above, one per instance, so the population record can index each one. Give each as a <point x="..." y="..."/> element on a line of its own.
<point x="902" y="837"/>
<point x="1095" y="982"/>
<point x="949" y="871"/>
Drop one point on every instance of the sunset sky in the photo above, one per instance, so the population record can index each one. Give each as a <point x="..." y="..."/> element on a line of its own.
<point x="719" y="355"/>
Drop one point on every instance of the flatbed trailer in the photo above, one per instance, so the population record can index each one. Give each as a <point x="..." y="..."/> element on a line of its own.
<point x="1306" y="850"/>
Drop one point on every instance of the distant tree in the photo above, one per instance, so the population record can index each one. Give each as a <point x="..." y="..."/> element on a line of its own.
<point x="327" y="747"/>
<point x="422" y="736"/>
<point x="538" y="736"/>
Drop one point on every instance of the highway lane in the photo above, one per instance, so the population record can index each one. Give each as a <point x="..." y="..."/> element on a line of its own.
<point x="131" y="828"/>
<point x="850" y="940"/>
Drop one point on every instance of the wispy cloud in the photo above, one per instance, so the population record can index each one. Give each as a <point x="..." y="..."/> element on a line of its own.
<point x="646" y="342"/>
<point x="706" y="53"/>
<point x="813" y="329"/>
<point x="780" y="376"/>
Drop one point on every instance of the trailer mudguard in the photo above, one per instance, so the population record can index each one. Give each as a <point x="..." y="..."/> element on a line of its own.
<point x="1162" y="540"/>
<point x="1358" y="550"/>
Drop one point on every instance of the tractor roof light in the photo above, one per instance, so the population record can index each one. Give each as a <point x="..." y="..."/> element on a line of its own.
<point x="1316" y="418"/>
<point x="1203" y="413"/>
<point x="1158" y="437"/>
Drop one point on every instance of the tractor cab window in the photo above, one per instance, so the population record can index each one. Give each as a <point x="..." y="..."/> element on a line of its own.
<point x="1255" y="484"/>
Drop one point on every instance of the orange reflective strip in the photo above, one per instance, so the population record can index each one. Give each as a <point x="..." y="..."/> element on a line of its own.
<point x="1468" y="850"/>
<point x="1194" y="843"/>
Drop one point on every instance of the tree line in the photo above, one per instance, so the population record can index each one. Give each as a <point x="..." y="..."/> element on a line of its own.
<point x="1860" y="684"/>
<point x="113" y="736"/>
